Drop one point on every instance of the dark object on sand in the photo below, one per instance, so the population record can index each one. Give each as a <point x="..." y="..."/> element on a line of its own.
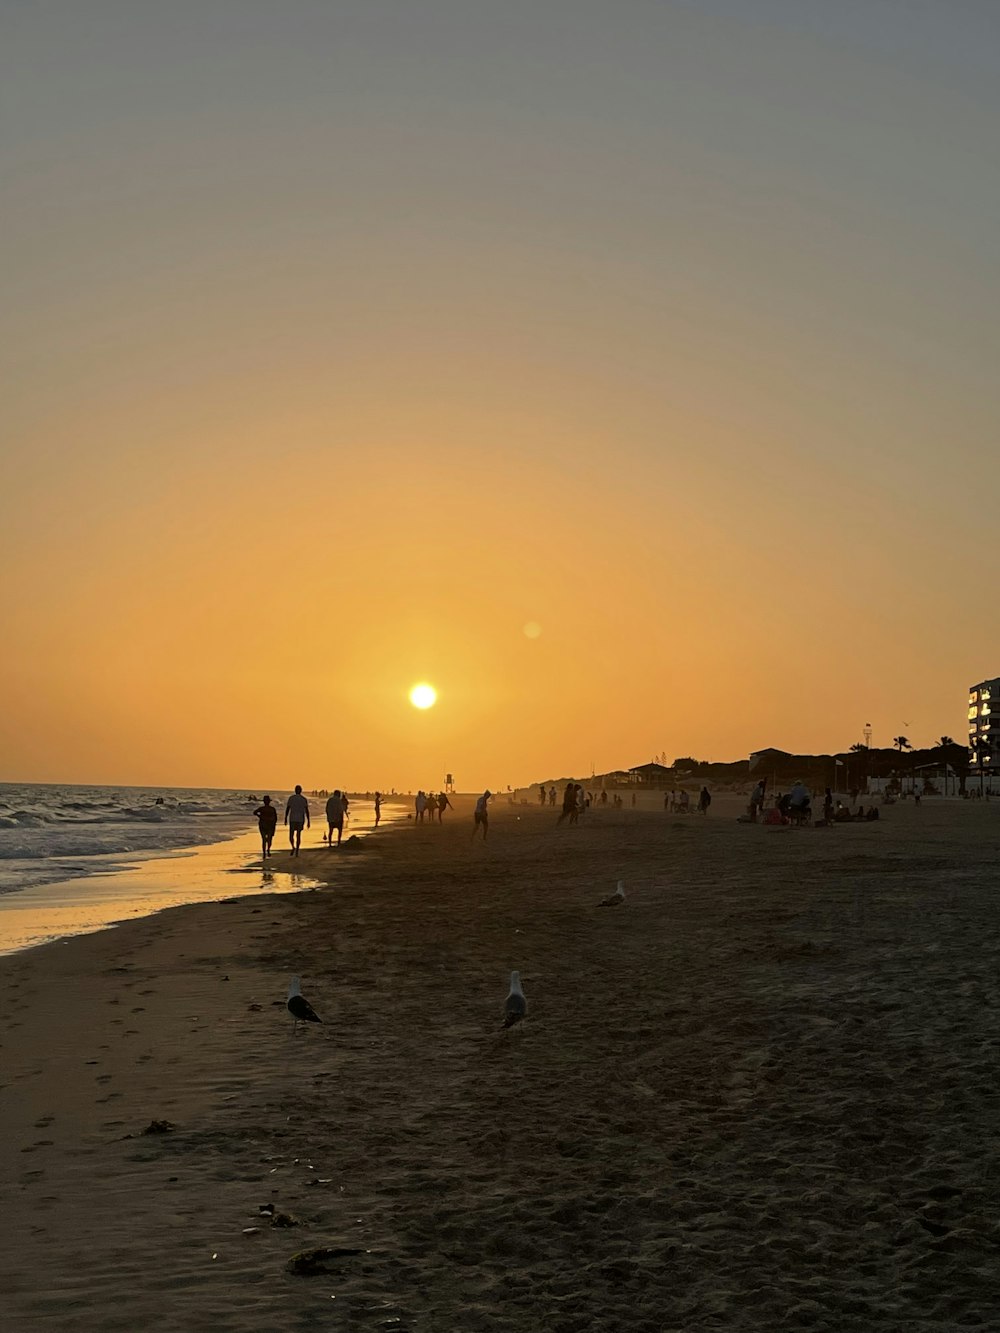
<point x="616" y="899"/>
<point x="515" y="1006"/>
<point x="311" y="1263"/>
<point x="280" y="1219"/>
<point x="160" y="1127"/>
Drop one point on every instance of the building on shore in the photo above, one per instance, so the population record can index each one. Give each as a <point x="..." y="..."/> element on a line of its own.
<point x="984" y="739"/>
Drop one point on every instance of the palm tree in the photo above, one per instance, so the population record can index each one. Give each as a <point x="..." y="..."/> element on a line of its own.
<point x="859" y="747"/>
<point x="944" y="742"/>
<point x="901" y="743"/>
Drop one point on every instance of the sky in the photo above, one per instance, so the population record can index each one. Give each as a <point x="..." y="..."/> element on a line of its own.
<point x="344" y="339"/>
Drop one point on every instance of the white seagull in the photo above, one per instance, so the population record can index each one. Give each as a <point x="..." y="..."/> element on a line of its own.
<point x="515" y="1006"/>
<point x="299" y="1007"/>
<point x="616" y="898"/>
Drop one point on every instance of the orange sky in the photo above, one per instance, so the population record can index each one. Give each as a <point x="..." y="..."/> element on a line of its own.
<point x="342" y="350"/>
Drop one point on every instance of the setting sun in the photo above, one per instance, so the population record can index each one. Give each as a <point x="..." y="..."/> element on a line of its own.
<point x="423" y="696"/>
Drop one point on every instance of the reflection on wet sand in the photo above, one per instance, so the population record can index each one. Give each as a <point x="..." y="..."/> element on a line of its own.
<point x="80" y="906"/>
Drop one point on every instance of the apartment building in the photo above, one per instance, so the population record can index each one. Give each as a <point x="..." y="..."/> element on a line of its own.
<point x="984" y="738"/>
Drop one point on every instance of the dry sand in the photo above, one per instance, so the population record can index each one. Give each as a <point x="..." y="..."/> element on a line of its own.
<point x="762" y="1094"/>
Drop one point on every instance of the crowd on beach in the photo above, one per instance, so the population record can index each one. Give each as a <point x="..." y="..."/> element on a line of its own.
<point x="298" y="816"/>
<point x="795" y="807"/>
<point x="791" y="807"/>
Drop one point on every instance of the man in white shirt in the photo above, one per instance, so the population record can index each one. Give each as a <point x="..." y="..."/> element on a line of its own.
<point x="799" y="797"/>
<point x="296" y="817"/>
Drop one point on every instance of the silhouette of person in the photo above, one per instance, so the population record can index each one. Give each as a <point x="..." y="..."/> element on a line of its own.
<point x="335" y="817"/>
<point x="378" y="807"/>
<point x="267" y="822"/>
<point x="444" y="804"/>
<point x="568" y="805"/>
<point x="481" y="815"/>
<point x="296" y="817"/>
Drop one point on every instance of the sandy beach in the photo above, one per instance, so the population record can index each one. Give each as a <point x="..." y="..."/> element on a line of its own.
<point x="760" y="1094"/>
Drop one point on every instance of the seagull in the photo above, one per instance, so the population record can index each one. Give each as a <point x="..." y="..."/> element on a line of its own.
<point x="617" y="897"/>
<point x="515" y="1006"/>
<point x="299" y="1007"/>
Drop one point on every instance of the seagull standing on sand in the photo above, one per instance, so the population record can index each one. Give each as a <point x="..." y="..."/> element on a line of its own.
<point x="516" y="1006"/>
<point x="616" y="898"/>
<point x="299" y="1007"/>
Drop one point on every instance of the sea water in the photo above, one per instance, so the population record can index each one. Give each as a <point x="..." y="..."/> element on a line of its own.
<point x="74" y="859"/>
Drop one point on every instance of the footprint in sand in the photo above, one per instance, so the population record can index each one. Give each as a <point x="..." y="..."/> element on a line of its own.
<point x="147" y="992"/>
<point x="44" y="1121"/>
<point x="103" y="1078"/>
<point x="139" y="1009"/>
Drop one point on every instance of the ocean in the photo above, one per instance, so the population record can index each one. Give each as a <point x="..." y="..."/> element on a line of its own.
<point x="75" y="858"/>
<point x="49" y="834"/>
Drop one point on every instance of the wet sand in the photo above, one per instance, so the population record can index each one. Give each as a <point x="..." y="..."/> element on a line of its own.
<point x="760" y="1094"/>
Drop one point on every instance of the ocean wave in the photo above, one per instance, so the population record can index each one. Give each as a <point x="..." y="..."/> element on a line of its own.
<point x="39" y="824"/>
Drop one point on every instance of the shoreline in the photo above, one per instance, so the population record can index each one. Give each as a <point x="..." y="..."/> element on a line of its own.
<point x="103" y="899"/>
<point x="736" y="1100"/>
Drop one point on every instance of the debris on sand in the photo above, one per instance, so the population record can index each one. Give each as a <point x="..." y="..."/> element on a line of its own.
<point x="311" y="1263"/>
<point x="160" y="1127"/>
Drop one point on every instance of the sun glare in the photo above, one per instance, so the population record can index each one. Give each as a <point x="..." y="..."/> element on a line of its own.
<point x="423" y="696"/>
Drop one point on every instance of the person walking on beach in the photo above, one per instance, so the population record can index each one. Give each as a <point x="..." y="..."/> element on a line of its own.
<point x="378" y="807"/>
<point x="420" y="805"/>
<point x="267" y="822"/>
<point x="828" y="806"/>
<point x="481" y="815"/>
<point x="757" y="800"/>
<point x="297" y="818"/>
<point x="335" y="817"/>
<point x="704" y="801"/>
<point x="568" y="805"/>
<point x="552" y="796"/>
<point x="443" y="804"/>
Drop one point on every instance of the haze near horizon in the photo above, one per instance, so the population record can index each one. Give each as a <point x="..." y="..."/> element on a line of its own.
<point x="622" y="372"/>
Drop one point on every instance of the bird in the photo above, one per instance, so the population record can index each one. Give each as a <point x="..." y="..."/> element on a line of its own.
<point x="617" y="897"/>
<point x="515" y="1006"/>
<point x="299" y="1007"/>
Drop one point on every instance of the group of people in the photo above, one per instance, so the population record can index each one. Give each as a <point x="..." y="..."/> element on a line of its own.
<point x="426" y="803"/>
<point x="795" y="807"/>
<point x="575" y="801"/>
<point x="298" y="818"/>
<point x="679" y="802"/>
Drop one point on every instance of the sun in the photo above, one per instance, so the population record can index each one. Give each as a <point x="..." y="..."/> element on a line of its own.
<point x="423" y="696"/>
